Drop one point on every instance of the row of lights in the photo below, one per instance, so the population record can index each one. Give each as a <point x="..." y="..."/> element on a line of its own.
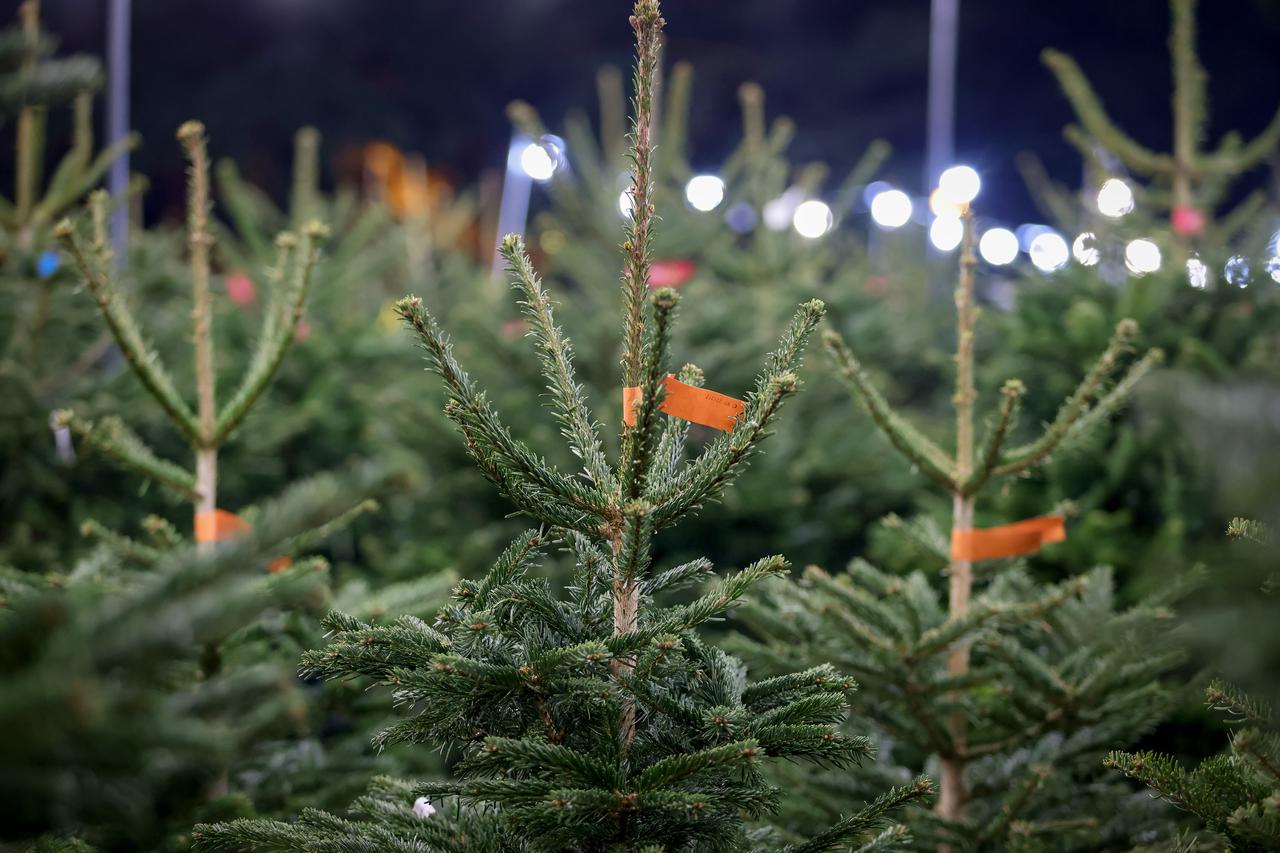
<point x="892" y="208"/>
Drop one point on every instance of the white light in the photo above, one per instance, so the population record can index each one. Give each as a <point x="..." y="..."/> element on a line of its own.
<point x="812" y="219"/>
<point x="1273" y="269"/>
<point x="778" y="212"/>
<point x="1084" y="250"/>
<point x="1049" y="251"/>
<point x="999" y="246"/>
<point x="1142" y="256"/>
<point x="945" y="233"/>
<point x="1197" y="273"/>
<point x="704" y="192"/>
<point x="1115" y="199"/>
<point x="625" y="204"/>
<point x="538" y="162"/>
<point x="891" y="209"/>
<point x="1237" y="271"/>
<point x="960" y="184"/>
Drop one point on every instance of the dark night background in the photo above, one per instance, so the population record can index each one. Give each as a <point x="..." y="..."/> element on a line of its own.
<point x="434" y="76"/>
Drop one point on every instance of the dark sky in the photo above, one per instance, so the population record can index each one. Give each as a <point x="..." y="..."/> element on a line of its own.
<point x="434" y="76"/>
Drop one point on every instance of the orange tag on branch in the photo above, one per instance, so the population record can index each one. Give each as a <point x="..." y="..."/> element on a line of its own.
<point x="690" y="403"/>
<point x="1007" y="540"/>
<point x="279" y="564"/>
<point x="219" y="525"/>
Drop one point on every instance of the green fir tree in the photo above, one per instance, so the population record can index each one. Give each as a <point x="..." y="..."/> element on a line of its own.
<point x="596" y="718"/>
<point x="1010" y="689"/>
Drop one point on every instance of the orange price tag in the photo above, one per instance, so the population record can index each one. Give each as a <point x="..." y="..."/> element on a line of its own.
<point x="1007" y="540"/>
<point x="690" y="403"/>
<point x="218" y="525"/>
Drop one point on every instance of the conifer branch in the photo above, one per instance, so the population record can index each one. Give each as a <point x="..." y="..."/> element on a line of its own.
<point x="579" y="428"/>
<point x="306" y="178"/>
<point x="647" y="23"/>
<point x="516" y="465"/>
<point x="144" y="361"/>
<point x="638" y="441"/>
<point x="993" y="442"/>
<point x="278" y="331"/>
<point x="706" y="476"/>
<point x="669" y="452"/>
<point x="1093" y="116"/>
<point x="856" y="825"/>
<point x="121" y="545"/>
<point x="1074" y="407"/>
<point x="111" y="436"/>
<point x="926" y="456"/>
<point x="1116" y="398"/>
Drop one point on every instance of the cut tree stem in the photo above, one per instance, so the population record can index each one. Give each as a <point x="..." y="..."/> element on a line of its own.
<point x="954" y="789"/>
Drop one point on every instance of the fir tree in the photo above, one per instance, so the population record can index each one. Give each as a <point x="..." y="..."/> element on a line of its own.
<point x="1187" y="181"/>
<point x="597" y="720"/>
<point x="208" y="427"/>
<point x="116" y="722"/>
<point x="49" y="342"/>
<point x="822" y="486"/>
<point x="1011" y="690"/>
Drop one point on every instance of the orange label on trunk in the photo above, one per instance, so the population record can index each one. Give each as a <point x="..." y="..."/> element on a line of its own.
<point x="690" y="403"/>
<point x="218" y="525"/>
<point x="1007" y="540"/>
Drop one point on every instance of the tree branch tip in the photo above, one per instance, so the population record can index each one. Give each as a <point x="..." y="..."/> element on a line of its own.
<point x="812" y="572"/>
<point x="784" y="383"/>
<point x="815" y="306"/>
<point x="750" y="93"/>
<point x="512" y="244"/>
<point x="637" y="508"/>
<point x="1013" y="388"/>
<point x="691" y="374"/>
<point x="1127" y="329"/>
<point x="665" y="298"/>
<point x="62" y="418"/>
<point x="316" y="230"/>
<point x="286" y="240"/>
<point x="647" y="14"/>
<point x="409" y="305"/>
<point x="64" y="230"/>
<point x="520" y="111"/>
<point x="191" y="132"/>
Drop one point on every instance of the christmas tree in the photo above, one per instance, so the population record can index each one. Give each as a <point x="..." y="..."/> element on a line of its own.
<point x="127" y="693"/>
<point x="595" y="719"/>
<point x="262" y="766"/>
<point x="50" y="341"/>
<point x="741" y="265"/>
<point x="208" y="427"/>
<point x="1187" y="182"/>
<point x="1013" y="688"/>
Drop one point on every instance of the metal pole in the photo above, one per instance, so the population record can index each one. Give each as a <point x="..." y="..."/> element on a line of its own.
<point x="118" y="27"/>
<point x="940" y="120"/>
<point x="513" y="211"/>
